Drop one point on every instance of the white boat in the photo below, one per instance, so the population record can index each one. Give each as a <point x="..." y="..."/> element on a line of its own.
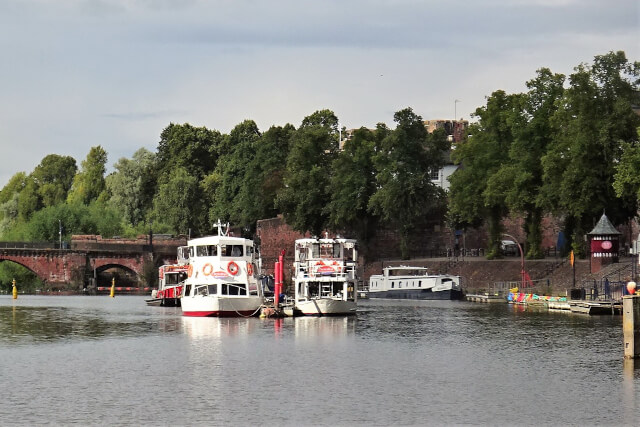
<point x="405" y="282"/>
<point x="221" y="277"/>
<point x="325" y="276"/>
<point x="171" y="279"/>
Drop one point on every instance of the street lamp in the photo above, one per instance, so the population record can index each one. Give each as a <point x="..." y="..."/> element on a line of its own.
<point x="60" y="232"/>
<point x="522" y="272"/>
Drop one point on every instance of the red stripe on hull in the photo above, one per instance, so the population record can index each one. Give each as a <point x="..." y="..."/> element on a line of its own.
<point x="217" y="313"/>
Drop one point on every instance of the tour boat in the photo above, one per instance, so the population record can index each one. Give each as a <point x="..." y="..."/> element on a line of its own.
<point x="171" y="278"/>
<point x="170" y="283"/>
<point x="405" y="282"/>
<point x="221" y="277"/>
<point x="325" y="276"/>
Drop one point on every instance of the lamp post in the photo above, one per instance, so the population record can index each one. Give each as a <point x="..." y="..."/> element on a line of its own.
<point x="60" y="233"/>
<point x="522" y="272"/>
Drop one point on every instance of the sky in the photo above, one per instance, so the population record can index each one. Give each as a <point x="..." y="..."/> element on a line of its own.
<point x="75" y="74"/>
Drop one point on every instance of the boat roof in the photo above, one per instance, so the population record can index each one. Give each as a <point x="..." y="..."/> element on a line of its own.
<point x="326" y="240"/>
<point x="215" y="240"/>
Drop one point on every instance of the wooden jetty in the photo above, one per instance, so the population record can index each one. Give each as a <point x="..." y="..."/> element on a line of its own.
<point x="486" y="297"/>
<point x="595" y="307"/>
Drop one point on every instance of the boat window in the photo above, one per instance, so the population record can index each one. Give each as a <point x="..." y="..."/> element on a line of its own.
<point x="207" y="250"/>
<point x="315" y="249"/>
<point x="419" y="283"/>
<point x="213" y="289"/>
<point x="187" y="289"/>
<point x="231" y="250"/>
<point x="191" y="252"/>
<point x="336" y="250"/>
<point x="393" y="284"/>
<point x="253" y="289"/>
<point x="400" y="284"/>
<point x="202" y="290"/>
<point x="348" y="254"/>
<point x="171" y="278"/>
<point x="328" y="250"/>
<point x="234" y="289"/>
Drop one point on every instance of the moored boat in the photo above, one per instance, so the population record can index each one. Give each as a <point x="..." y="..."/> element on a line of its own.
<point x="406" y="282"/>
<point x="221" y="277"/>
<point x="170" y="282"/>
<point x="325" y="276"/>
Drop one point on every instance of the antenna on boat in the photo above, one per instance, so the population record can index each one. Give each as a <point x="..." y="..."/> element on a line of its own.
<point x="222" y="232"/>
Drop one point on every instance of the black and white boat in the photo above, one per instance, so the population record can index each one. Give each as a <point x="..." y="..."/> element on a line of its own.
<point x="406" y="282"/>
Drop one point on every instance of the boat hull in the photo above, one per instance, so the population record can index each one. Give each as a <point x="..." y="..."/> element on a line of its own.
<point x="325" y="307"/>
<point x="215" y="306"/>
<point x="419" y="294"/>
<point x="163" y="302"/>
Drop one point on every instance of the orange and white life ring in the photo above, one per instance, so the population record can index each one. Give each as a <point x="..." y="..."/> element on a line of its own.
<point x="189" y="270"/>
<point x="207" y="269"/>
<point x="232" y="268"/>
<point x="250" y="269"/>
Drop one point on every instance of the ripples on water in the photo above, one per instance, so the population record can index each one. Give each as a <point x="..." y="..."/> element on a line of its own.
<point x="98" y="360"/>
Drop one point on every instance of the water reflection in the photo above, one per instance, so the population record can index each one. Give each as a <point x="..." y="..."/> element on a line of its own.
<point x="327" y="327"/>
<point x="217" y="327"/>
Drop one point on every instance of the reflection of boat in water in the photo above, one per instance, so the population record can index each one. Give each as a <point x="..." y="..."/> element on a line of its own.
<point x="332" y="326"/>
<point x="221" y="277"/>
<point x="325" y="276"/>
<point x="170" y="282"/>
<point x="414" y="283"/>
<point x="207" y="327"/>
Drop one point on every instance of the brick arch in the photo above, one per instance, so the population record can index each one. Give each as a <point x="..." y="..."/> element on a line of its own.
<point x="49" y="266"/>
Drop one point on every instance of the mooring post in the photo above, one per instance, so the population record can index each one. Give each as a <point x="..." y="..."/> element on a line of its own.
<point x="631" y="326"/>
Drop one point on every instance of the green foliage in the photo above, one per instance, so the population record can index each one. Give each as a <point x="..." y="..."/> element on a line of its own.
<point x="593" y="121"/>
<point x="178" y="204"/>
<point x="352" y="184"/>
<point x="231" y="195"/>
<point x="195" y="149"/>
<point x="305" y="194"/>
<point x="89" y="183"/>
<point x="54" y="177"/>
<point x="403" y="164"/>
<point x="132" y="186"/>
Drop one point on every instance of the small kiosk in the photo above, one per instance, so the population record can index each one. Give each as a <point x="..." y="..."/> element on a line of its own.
<point x="605" y="244"/>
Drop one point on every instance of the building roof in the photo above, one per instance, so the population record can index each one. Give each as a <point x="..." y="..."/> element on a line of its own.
<point x="604" y="226"/>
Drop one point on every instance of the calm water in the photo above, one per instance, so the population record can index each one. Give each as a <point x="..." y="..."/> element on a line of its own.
<point x="98" y="360"/>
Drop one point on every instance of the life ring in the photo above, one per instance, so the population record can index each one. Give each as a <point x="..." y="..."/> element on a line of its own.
<point x="189" y="270"/>
<point x="232" y="268"/>
<point x="207" y="269"/>
<point x="250" y="269"/>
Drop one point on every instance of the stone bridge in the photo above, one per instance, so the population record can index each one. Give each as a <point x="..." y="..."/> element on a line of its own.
<point x="77" y="267"/>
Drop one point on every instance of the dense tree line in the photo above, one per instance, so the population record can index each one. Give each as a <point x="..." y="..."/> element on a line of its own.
<point x="568" y="148"/>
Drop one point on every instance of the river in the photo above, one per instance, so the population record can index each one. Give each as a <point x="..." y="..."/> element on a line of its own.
<point x="79" y="360"/>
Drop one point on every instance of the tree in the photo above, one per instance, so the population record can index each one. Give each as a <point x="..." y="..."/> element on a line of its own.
<point x="353" y="182"/>
<point x="233" y="165"/>
<point x="264" y="175"/>
<point x="520" y="178"/>
<point x="132" y="186"/>
<point x="184" y="146"/>
<point x="305" y="194"/>
<point x="593" y="121"/>
<point x="178" y="204"/>
<point x="89" y="183"/>
<point x="405" y="193"/>
<point x="477" y="191"/>
<point x="54" y="177"/>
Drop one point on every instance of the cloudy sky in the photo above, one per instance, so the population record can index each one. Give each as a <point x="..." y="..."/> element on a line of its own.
<point x="80" y="73"/>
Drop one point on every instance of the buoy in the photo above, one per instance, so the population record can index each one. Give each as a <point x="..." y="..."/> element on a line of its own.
<point x="631" y="287"/>
<point x="15" y="290"/>
<point x="113" y="288"/>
